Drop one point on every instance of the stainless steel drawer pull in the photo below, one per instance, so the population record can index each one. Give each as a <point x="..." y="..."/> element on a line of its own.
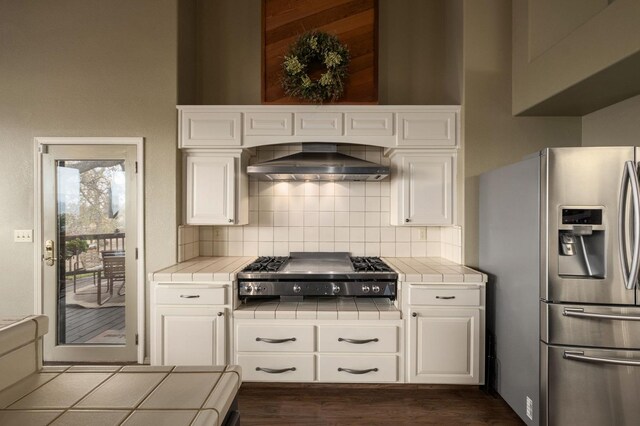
<point x="580" y="356"/>
<point x="275" y="370"/>
<point x="580" y="313"/>
<point x="267" y="340"/>
<point x="352" y="371"/>
<point x="445" y="297"/>
<point x="357" y="341"/>
<point x="190" y="296"/>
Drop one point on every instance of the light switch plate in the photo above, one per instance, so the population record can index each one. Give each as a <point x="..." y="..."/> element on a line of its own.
<point x="23" y="235"/>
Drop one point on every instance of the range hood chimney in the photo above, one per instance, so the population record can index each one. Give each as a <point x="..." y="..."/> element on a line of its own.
<point x="318" y="161"/>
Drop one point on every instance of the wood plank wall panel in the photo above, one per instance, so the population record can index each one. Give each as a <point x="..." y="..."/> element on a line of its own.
<point x="355" y="22"/>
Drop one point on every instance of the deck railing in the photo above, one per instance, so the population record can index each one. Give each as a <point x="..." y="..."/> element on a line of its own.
<point x="97" y="244"/>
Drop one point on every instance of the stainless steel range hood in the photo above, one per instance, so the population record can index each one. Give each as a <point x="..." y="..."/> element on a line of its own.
<point x="318" y="161"/>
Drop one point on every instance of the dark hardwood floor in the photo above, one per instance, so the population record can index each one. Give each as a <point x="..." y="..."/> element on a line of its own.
<point x="333" y="404"/>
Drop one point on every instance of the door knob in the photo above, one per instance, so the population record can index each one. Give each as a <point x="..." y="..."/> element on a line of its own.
<point x="49" y="253"/>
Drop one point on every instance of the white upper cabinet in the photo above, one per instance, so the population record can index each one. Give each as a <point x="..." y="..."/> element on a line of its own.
<point x="427" y="129"/>
<point x="389" y="126"/>
<point x="215" y="192"/>
<point x="423" y="188"/>
<point x="209" y="129"/>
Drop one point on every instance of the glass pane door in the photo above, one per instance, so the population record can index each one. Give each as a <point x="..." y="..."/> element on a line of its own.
<point x="89" y="251"/>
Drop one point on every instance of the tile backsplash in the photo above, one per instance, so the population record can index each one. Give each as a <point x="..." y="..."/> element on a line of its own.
<point x="320" y="216"/>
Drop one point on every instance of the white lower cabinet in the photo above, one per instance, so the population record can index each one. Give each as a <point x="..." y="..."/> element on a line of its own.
<point x="319" y="350"/>
<point x="277" y="367"/>
<point x="189" y="324"/>
<point x="445" y="334"/>
<point x="358" y="368"/>
<point x="444" y="346"/>
<point x="190" y="336"/>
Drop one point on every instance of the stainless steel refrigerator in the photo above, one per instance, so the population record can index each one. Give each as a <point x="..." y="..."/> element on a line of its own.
<point x="560" y="240"/>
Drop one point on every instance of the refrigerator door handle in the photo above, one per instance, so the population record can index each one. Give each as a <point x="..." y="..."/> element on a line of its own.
<point x="580" y="356"/>
<point x="580" y="313"/>
<point x="629" y="175"/>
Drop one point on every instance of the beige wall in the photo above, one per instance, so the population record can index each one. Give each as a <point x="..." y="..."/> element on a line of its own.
<point x="84" y="68"/>
<point x="419" y="53"/>
<point x="562" y="62"/>
<point x="493" y="137"/>
<point x="616" y="125"/>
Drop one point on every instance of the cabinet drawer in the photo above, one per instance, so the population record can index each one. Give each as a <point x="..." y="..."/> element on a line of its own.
<point x="277" y="368"/>
<point x="346" y="368"/>
<point x="427" y="129"/>
<point x="207" y="129"/>
<point x="357" y="339"/>
<point x="444" y="297"/>
<point x="191" y="296"/>
<point x="293" y="338"/>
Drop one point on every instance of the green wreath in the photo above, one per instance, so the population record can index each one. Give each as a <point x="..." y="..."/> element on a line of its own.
<point x="312" y="53"/>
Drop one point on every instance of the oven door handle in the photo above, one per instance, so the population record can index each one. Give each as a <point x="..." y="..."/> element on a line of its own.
<point x="358" y="341"/>
<point x="352" y="371"/>
<point x="580" y="313"/>
<point x="580" y="356"/>
<point x="267" y="340"/>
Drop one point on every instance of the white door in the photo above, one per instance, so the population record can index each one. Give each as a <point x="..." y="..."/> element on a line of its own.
<point x="428" y="189"/>
<point x="89" y="266"/>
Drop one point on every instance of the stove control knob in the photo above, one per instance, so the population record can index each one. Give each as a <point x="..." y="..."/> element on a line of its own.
<point x="296" y="288"/>
<point x="375" y="289"/>
<point x="246" y="288"/>
<point x="257" y="289"/>
<point x="365" y="289"/>
<point x="335" y="289"/>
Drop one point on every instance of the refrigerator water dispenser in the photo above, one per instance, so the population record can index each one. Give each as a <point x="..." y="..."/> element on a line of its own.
<point x="581" y="239"/>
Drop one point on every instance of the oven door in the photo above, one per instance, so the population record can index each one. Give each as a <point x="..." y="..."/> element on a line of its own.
<point x="587" y="386"/>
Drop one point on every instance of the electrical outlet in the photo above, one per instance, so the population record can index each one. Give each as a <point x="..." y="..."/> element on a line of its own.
<point x="530" y="408"/>
<point x="216" y="232"/>
<point x="423" y="234"/>
<point x="23" y="235"/>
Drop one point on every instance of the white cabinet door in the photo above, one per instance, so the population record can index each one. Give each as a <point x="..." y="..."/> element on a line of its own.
<point x="427" y="129"/>
<point x="424" y="191"/>
<point x="210" y="189"/>
<point x="444" y="346"/>
<point x="189" y="336"/>
<point x="204" y="129"/>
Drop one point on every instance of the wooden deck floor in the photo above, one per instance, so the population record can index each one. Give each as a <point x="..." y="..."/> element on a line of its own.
<point x="370" y="405"/>
<point x="86" y="323"/>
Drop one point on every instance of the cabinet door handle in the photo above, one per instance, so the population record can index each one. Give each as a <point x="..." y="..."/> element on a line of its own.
<point x="220" y="314"/>
<point x="267" y="340"/>
<point x="407" y="220"/>
<point x="230" y="220"/>
<point x="445" y="297"/>
<point x="190" y="296"/>
<point x="275" y="370"/>
<point x="357" y="341"/>
<point x="352" y="371"/>
<point x="415" y="314"/>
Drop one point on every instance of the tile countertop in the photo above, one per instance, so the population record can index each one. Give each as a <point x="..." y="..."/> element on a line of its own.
<point x="434" y="270"/>
<point x="203" y="269"/>
<point x="409" y="269"/>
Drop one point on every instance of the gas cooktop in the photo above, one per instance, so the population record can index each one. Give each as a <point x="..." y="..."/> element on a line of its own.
<point x="317" y="274"/>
